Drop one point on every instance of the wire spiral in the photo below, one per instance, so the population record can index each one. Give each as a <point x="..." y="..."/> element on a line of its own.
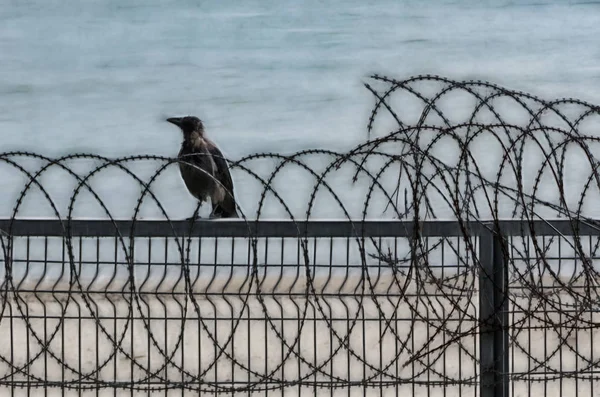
<point x="370" y="311"/>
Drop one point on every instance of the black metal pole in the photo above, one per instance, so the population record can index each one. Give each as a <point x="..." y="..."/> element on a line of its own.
<point x="493" y="315"/>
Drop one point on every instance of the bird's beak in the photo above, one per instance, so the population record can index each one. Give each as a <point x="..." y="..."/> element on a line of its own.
<point x="175" y="120"/>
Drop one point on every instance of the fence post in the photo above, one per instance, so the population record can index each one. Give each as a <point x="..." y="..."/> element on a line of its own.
<point x="493" y="314"/>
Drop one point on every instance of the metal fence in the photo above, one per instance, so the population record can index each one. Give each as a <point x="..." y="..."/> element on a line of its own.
<point x="224" y="307"/>
<point x="501" y="299"/>
<point x="296" y="308"/>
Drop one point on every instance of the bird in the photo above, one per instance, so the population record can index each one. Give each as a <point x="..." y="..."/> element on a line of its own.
<point x="203" y="168"/>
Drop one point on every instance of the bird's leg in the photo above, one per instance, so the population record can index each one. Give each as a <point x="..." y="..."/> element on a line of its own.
<point x="196" y="214"/>
<point x="216" y="210"/>
<point x="215" y="215"/>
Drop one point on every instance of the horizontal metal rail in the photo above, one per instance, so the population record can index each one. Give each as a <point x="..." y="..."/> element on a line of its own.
<point x="289" y="228"/>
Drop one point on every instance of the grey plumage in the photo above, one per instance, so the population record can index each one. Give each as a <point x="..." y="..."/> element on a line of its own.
<point x="203" y="168"/>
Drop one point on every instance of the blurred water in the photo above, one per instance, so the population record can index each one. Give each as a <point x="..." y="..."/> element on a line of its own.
<point x="101" y="76"/>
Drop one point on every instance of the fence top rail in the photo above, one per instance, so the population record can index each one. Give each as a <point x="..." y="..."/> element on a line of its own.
<point x="288" y="228"/>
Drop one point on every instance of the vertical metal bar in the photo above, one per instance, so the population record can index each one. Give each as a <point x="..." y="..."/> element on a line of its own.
<point x="249" y="324"/>
<point x="493" y="316"/>
<point x="115" y="313"/>
<point x="550" y="308"/>
<point x="79" y="315"/>
<point x="151" y="318"/>
<point x="165" y="311"/>
<point x="217" y="351"/>
<point x="513" y="316"/>
<point x="234" y="321"/>
<point x="63" y="310"/>
<point x="592" y="251"/>
<point x="27" y="318"/>
<point x="379" y="324"/>
<point x="99" y="314"/>
<point x="265" y="322"/>
<point x="45" y="316"/>
<point x="332" y="316"/>
<point x="314" y="319"/>
<point x="283" y="315"/>
<point x="397" y="296"/>
<point x="298" y="313"/>
<point x="502" y="352"/>
<point x="348" y="318"/>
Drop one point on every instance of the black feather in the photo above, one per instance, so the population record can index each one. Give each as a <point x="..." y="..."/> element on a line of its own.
<point x="204" y="169"/>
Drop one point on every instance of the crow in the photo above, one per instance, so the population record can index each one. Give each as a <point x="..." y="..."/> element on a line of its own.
<point x="204" y="169"/>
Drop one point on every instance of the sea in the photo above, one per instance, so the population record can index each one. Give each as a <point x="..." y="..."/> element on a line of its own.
<point x="265" y="76"/>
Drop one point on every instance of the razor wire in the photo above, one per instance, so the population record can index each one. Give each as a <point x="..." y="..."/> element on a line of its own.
<point x="437" y="148"/>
